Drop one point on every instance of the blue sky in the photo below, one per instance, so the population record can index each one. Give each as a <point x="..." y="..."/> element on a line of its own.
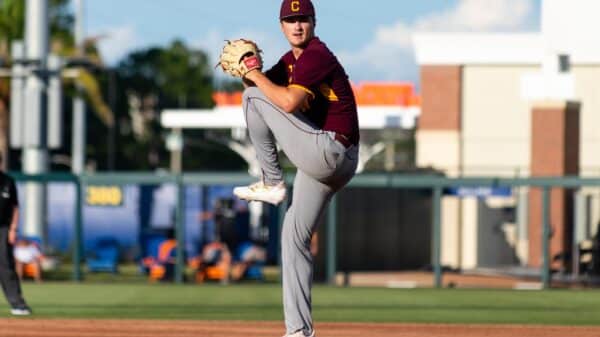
<point x="371" y="38"/>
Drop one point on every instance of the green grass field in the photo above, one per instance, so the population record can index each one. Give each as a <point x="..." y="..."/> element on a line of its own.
<point x="263" y="302"/>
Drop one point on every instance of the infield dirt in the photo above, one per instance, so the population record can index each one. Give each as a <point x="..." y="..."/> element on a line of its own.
<point x="32" y="327"/>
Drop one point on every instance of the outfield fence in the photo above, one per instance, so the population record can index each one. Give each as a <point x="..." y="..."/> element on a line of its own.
<point x="435" y="183"/>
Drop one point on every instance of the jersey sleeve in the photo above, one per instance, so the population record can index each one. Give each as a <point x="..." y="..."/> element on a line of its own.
<point x="311" y="70"/>
<point x="14" y="199"/>
<point x="278" y="73"/>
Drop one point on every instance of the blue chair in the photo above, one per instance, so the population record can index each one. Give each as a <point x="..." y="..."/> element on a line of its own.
<point x="255" y="270"/>
<point x="104" y="256"/>
<point x="34" y="239"/>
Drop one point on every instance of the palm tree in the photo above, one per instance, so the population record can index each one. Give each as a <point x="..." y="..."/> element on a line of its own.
<point x="12" y="25"/>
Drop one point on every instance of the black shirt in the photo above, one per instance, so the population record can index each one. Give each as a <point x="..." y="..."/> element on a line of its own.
<point x="8" y="199"/>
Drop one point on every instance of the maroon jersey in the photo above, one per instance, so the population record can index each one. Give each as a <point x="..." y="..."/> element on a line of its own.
<point x="318" y="72"/>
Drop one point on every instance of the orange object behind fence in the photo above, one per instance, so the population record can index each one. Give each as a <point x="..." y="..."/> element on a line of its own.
<point x="385" y="93"/>
<point x="366" y="93"/>
<point x="227" y="98"/>
<point x="158" y="268"/>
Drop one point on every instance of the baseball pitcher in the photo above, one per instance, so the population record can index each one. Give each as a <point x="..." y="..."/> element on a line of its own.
<point x="305" y="103"/>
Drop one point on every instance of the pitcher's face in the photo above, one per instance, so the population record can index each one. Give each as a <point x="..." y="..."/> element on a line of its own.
<point x="298" y="30"/>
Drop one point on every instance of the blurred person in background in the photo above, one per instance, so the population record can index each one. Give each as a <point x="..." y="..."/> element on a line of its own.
<point x="214" y="263"/>
<point x="28" y="256"/>
<point x="250" y="254"/>
<point x="9" y="222"/>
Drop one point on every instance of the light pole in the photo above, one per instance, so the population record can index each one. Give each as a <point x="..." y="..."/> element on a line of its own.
<point x="35" y="154"/>
<point x="174" y="143"/>
<point x="79" y="113"/>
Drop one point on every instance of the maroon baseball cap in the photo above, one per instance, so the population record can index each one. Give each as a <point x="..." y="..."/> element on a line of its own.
<point x="296" y="8"/>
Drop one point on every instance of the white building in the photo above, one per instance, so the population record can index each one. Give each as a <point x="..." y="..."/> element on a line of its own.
<point x="478" y="93"/>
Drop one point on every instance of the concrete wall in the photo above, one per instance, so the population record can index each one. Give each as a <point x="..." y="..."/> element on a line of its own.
<point x="491" y="135"/>
<point x="439" y="149"/>
<point x="438" y="144"/>
<point x="495" y="141"/>
<point x="496" y="121"/>
<point x="587" y="91"/>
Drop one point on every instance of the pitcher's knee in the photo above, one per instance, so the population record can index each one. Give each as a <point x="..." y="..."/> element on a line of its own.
<point x="251" y="92"/>
<point x="290" y="237"/>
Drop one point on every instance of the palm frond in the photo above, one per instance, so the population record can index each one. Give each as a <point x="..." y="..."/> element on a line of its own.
<point x="91" y="88"/>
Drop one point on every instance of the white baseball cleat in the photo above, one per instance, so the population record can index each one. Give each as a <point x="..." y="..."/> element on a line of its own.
<point x="261" y="192"/>
<point x="20" y="311"/>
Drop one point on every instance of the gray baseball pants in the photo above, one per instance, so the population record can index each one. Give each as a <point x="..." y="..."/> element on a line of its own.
<point x="8" y="276"/>
<point x="324" y="167"/>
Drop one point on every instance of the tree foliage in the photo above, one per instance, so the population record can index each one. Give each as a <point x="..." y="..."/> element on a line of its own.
<point x="156" y="78"/>
<point x="180" y="76"/>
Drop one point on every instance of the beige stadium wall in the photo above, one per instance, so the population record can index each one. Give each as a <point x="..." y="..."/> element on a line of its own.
<point x="439" y="149"/>
<point x="438" y="144"/>
<point x="587" y="89"/>
<point x="496" y="128"/>
<point x="496" y="121"/>
<point x="494" y="140"/>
